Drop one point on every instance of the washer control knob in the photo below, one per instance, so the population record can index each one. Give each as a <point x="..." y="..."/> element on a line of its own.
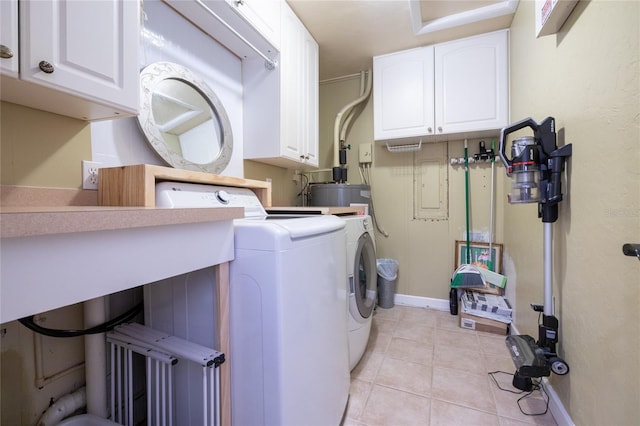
<point x="223" y="196"/>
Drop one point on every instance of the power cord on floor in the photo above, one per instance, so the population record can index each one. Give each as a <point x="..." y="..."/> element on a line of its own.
<point x="537" y="385"/>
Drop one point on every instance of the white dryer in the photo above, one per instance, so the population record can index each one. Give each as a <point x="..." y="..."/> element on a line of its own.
<point x="362" y="279"/>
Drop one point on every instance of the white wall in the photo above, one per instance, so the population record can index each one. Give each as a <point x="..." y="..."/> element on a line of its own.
<point x="167" y="36"/>
<point x="587" y="77"/>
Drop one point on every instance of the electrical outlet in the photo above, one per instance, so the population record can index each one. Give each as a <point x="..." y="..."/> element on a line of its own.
<point x="90" y="174"/>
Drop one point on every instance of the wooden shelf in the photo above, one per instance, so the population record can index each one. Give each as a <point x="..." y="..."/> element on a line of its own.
<point x="135" y="185"/>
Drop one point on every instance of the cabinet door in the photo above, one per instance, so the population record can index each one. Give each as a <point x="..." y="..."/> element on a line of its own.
<point x="9" y="37"/>
<point x="310" y="100"/>
<point x="91" y="47"/>
<point x="403" y="94"/>
<point x="288" y="96"/>
<point x="471" y="84"/>
<point x="291" y="82"/>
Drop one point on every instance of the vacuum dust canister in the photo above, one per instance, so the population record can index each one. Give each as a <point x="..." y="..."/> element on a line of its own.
<point x="525" y="171"/>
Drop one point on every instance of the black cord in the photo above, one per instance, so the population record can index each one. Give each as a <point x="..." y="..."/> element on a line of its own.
<point x="101" y="328"/>
<point x="304" y="187"/>
<point x="537" y="385"/>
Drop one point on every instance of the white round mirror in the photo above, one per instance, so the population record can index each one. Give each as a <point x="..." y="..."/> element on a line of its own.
<point x="183" y="119"/>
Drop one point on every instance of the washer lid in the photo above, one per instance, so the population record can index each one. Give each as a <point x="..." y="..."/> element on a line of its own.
<point x="282" y="234"/>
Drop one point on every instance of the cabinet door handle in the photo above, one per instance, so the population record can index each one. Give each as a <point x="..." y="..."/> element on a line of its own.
<point x="429" y="129"/>
<point x="440" y="129"/>
<point x="239" y="2"/>
<point x="46" y="67"/>
<point x="5" y="52"/>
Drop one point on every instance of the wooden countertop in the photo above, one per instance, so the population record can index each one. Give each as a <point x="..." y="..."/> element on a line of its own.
<point x="32" y="221"/>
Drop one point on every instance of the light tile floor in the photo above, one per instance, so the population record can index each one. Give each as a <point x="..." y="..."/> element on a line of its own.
<point x="421" y="368"/>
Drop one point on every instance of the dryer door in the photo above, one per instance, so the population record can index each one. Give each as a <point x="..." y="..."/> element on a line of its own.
<point x="365" y="276"/>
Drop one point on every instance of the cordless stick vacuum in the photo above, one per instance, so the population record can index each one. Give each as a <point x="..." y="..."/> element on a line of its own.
<point x="536" y="167"/>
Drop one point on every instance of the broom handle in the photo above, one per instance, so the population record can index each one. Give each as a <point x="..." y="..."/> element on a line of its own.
<point x="493" y="164"/>
<point x="466" y="197"/>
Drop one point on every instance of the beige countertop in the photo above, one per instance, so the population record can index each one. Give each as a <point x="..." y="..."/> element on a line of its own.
<point x="32" y="221"/>
<point x="48" y="252"/>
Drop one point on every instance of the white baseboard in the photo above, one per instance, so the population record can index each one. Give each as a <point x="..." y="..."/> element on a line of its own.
<point x="421" y="302"/>
<point x="559" y="413"/>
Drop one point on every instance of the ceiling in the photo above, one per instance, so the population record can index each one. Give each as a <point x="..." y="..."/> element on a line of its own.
<point x="350" y="32"/>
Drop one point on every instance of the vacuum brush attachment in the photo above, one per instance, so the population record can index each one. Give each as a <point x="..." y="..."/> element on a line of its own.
<point x="528" y="358"/>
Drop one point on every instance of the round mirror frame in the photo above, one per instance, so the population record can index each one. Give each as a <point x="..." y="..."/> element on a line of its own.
<point x="150" y="77"/>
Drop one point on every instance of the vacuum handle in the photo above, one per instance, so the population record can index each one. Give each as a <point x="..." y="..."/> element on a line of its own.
<point x="631" y="250"/>
<point x="527" y="122"/>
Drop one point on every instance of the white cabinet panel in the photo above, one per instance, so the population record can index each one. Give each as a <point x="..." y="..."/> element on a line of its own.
<point x="87" y="43"/>
<point x="291" y="83"/>
<point x="311" y="99"/>
<point x="403" y="94"/>
<point x="77" y="58"/>
<point x="471" y="81"/>
<point x="9" y="37"/>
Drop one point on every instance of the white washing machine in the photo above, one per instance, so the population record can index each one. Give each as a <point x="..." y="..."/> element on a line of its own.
<point x="288" y="341"/>
<point x="362" y="278"/>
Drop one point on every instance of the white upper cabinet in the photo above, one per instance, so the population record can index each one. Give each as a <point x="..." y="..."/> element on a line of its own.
<point x="450" y="89"/>
<point x="281" y="106"/>
<point x="298" y="92"/>
<point x="76" y="58"/>
<point x="472" y="84"/>
<point x="403" y="94"/>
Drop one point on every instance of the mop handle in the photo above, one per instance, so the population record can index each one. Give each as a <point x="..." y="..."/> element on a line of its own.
<point x="493" y="165"/>
<point x="466" y="195"/>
